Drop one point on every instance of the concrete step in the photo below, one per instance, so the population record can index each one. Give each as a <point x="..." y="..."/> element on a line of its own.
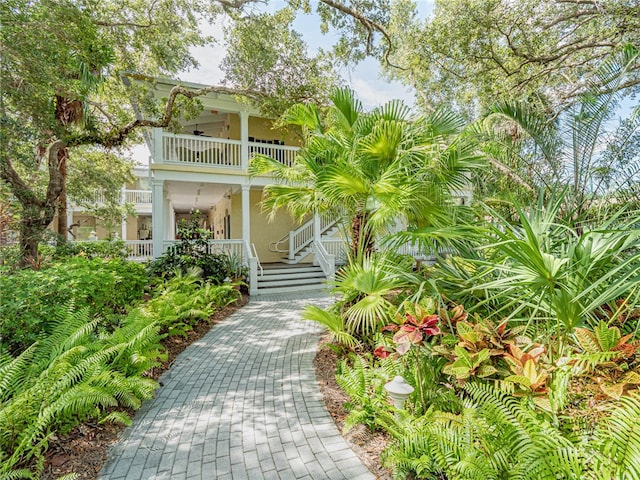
<point x="291" y="278"/>
<point x="292" y="282"/>
<point x="291" y="270"/>
<point x="291" y="289"/>
<point x="292" y="275"/>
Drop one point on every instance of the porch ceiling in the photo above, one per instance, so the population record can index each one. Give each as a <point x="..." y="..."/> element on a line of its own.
<point x="187" y="196"/>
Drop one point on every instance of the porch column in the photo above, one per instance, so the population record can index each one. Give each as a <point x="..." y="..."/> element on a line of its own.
<point x="156" y="146"/>
<point x="244" y="139"/>
<point x="170" y="232"/>
<point x="246" y="214"/>
<point x="123" y="229"/>
<point x="157" y="216"/>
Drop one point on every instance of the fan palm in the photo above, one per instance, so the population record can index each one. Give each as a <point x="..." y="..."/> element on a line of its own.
<point x="370" y="169"/>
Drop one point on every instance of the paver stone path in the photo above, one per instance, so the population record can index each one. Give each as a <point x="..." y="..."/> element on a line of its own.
<point x="240" y="403"/>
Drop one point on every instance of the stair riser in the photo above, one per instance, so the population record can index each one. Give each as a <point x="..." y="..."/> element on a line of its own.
<point x="291" y="271"/>
<point x="291" y="283"/>
<point x="292" y="289"/>
<point x="293" y="276"/>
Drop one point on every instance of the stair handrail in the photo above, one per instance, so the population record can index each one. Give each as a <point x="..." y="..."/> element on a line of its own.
<point x="326" y="261"/>
<point x="274" y="246"/>
<point x="303" y="235"/>
<point x="255" y="255"/>
<point x="300" y="238"/>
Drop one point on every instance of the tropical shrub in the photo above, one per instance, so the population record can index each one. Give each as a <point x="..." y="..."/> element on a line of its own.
<point x="184" y="300"/>
<point x="101" y="249"/>
<point x="499" y="436"/>
<point x="31" y="299"/>
<point x="369" y="291"/>
<point x="192" y="251"/>
<point x="554" y="272"/>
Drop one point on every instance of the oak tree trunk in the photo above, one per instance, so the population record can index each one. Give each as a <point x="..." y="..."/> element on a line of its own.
<point x="62" y="199"/>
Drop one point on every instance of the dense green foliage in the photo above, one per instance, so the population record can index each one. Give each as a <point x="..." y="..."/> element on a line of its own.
<point x="371" y="169"/>
<point x="86" y="364"/>
<point x="192" y="252"/>
<point x="32" y="299"/>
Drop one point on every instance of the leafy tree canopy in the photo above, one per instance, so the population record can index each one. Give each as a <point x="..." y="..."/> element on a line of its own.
<point x="476" y="51"/>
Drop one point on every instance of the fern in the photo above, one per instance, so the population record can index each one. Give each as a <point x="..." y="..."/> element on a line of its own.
<point x="363" y="385"/>
<point x="618" y="441"/>
<point x="73" y="375"/>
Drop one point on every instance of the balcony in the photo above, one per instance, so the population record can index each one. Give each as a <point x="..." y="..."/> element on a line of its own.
<point x="218" y="152"/>
<point x="141" y="199"/>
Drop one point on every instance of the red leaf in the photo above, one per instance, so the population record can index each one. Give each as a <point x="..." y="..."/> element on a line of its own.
<point x="381" y="352"/>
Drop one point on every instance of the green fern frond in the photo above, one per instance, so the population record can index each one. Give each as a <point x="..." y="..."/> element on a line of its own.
<point x="17" y="474"/>
<point x="13" y="372"/>
<point x="117" y="417"/>
<point x="618" y="439"/>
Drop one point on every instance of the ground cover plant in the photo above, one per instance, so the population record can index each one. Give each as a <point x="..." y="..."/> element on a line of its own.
<point x="536" y="375"/>
<point x="91" y="357"/>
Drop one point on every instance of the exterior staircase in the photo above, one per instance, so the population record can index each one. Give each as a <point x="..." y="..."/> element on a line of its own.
<point x="308" y="250"/>
<point x="291" y="278"/>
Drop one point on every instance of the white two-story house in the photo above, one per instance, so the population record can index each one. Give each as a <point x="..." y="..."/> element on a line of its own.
<point x="204" y="167"/>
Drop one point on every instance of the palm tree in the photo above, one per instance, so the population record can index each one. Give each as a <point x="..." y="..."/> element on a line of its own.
<point x="370" y="169"/>
<point x="577" y="150"/>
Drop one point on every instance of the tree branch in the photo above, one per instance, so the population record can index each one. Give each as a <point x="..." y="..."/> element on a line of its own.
<point x="117" y="136"/>
<point x="369" y="25"/>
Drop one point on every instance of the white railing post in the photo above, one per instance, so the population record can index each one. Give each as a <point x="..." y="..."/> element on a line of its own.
<point x="292" y="246"/>
<point x="253" y="276"/>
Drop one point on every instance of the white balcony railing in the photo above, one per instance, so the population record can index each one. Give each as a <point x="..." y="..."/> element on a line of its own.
<point x="198" y="150"/>
<point x="139" y="249"/>
<point x="282" y="153"/>
<point x="231" y="247"/>
<point x="218" y="152"/>
<point x="138" y="197"/>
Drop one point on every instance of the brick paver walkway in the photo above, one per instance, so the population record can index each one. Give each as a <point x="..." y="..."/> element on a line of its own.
<point x="240" y="403"/>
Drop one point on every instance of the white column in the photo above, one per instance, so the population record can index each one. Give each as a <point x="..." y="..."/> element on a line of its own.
<point x="246" y="213"/>
<point x="171" y="221"/>
<point x="157" y="216"/>
<point x="157" y="153"/>
<point x="244" y="139"/>
<point x="123" y="230"/>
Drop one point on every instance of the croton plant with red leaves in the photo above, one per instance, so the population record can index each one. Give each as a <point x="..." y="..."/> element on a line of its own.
<point x="418" y="322"/>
